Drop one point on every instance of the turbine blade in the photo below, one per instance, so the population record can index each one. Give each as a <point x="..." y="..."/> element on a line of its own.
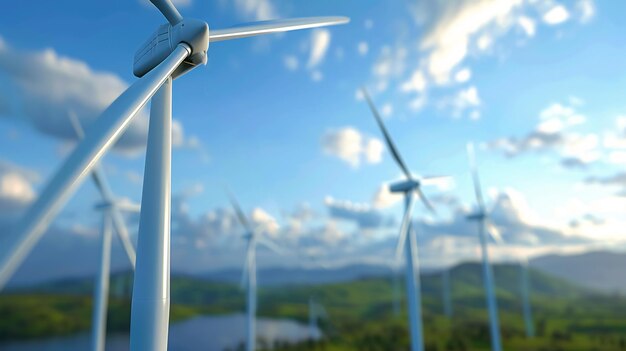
<point x="240" y="215"/>
<point x="168" y="10"/>
<point x="270" y="245"/>
<point x="383" y="129"/>
<point x="474" y="169"/>
<point x="107" y="129"/>
<point x="493" y="231"/>
<point x="107" y="195"/>
<point x="128" y="206"/>
<point x="275" y="26"/>
<point x="404" y="228"/>
<point x="123" y="235"/>
<point x="425" y="201"/>
<point x="435" y="180"/>
<point x="78" y="129"/>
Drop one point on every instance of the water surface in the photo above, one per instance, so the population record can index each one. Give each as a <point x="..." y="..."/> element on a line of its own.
<point x="209" y="333"/>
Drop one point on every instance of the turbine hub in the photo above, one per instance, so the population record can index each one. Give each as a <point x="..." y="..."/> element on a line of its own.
<point x="477" y="216"/>
<point x="192" y="32"/>
<point x="404" y="186"/>
<point x="104" y="205"/>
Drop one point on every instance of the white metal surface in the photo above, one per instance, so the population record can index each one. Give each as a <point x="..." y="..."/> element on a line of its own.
<point x="492" y="303"/>
<point x="275" y="26"/>
<point x="447" y="293"/>
<point x="151" y="289"/>
<point x="527" y="309"/>
<point x="107" y="196"/>
<point x="101" y="291"/>
<point x="251" y="304"/>
<point x="413" y="289"/>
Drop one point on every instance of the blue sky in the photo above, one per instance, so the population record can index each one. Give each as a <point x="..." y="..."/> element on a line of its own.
<point x="536" y="84"/>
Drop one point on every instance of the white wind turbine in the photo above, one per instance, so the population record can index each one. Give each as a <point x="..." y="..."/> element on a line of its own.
<point x="248" y="276"/>
<point x="446" y="288"/>
<point x="316" y="312"/>
<point x="526" y="307"/>
<point x="173" y="50"/>
<point x="409" y="187"/>
<point x="485" y="227"/>
<point x="111" y="216"/>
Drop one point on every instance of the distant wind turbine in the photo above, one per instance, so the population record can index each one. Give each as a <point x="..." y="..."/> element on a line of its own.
<point x="395" y="287"/>
<point x="316" y="312"/>
<point x="484" y="227"/>
<point x="446" y="289"/>
<point x="111" y="217"/>
<point x="526" y="307"/>
<point x="248" y="277"/>
<point x="174" y="49"/>
<point x="409" y="187"/>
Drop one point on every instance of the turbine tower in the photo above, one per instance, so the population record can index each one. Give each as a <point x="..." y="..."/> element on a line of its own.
<point x="316" y="312"/>
<point x="446" y="289"/>
<point x="174" y="49"/>
<point x="409" y="187"/>
<point x="248" y="276"/>
<point x="484" y="228"/>
<point x="111" y="216"/>
<point x="526" y="307"/>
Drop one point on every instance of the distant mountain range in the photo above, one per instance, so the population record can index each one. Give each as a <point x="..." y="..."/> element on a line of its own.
<point x="604" y="271"/>
<point x="600" y="270"/>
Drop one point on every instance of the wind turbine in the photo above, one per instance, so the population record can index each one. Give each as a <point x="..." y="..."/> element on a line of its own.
<point x="248" y="276"/>
<point x="446" y="291"/>
<point x="173" y="50"/>
<point x="316" y="312"/>
<point x="407" y="187"/>
<point x="111" y="216"/>
<point x="526" y="307"/>
<point x="484" y="227"/>
<point x="395" y="288"/>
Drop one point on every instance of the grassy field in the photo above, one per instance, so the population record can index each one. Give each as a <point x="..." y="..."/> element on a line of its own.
<point x="567" y="317"/>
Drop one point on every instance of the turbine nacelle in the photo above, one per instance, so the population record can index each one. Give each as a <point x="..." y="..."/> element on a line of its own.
<point x="193" y="32"/>
<point x="404" y="186"/>
<point x="477" y="216"/>
<point x="104" y="205"/>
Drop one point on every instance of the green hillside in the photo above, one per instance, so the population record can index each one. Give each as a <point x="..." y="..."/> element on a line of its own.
<point x="361" y="316"/>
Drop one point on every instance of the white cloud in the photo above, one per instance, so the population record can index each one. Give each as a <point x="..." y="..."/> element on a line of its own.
<point x="464" y="100"/>
<point x="587" y="10"/>
<point x="259" y="10"/>
<point x="291" y="62"/>
<point x="463" y="75"/>
<point x="527" y="24"/>
<point x="553" y="133"/>
<point x="349" y="145"/>
<point x="52" y="87"/>
<point x="266" y="222"/>
<point x="417" y="83"/>
<point x="556" y="15"/>
<point x="16" y="189"/>
<point x="320" y="41"/>
<point x="363" y="215"/>
<point x="386" y="110"/>
<point x="317" y="76"/>
<point x="363" y="48"/>
<point x="383" y="198"/>
<point x="391" y="63"/>
<point x="450" y="37"/>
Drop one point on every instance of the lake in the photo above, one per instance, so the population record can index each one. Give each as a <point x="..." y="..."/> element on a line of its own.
<point x="210" y="333"/>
